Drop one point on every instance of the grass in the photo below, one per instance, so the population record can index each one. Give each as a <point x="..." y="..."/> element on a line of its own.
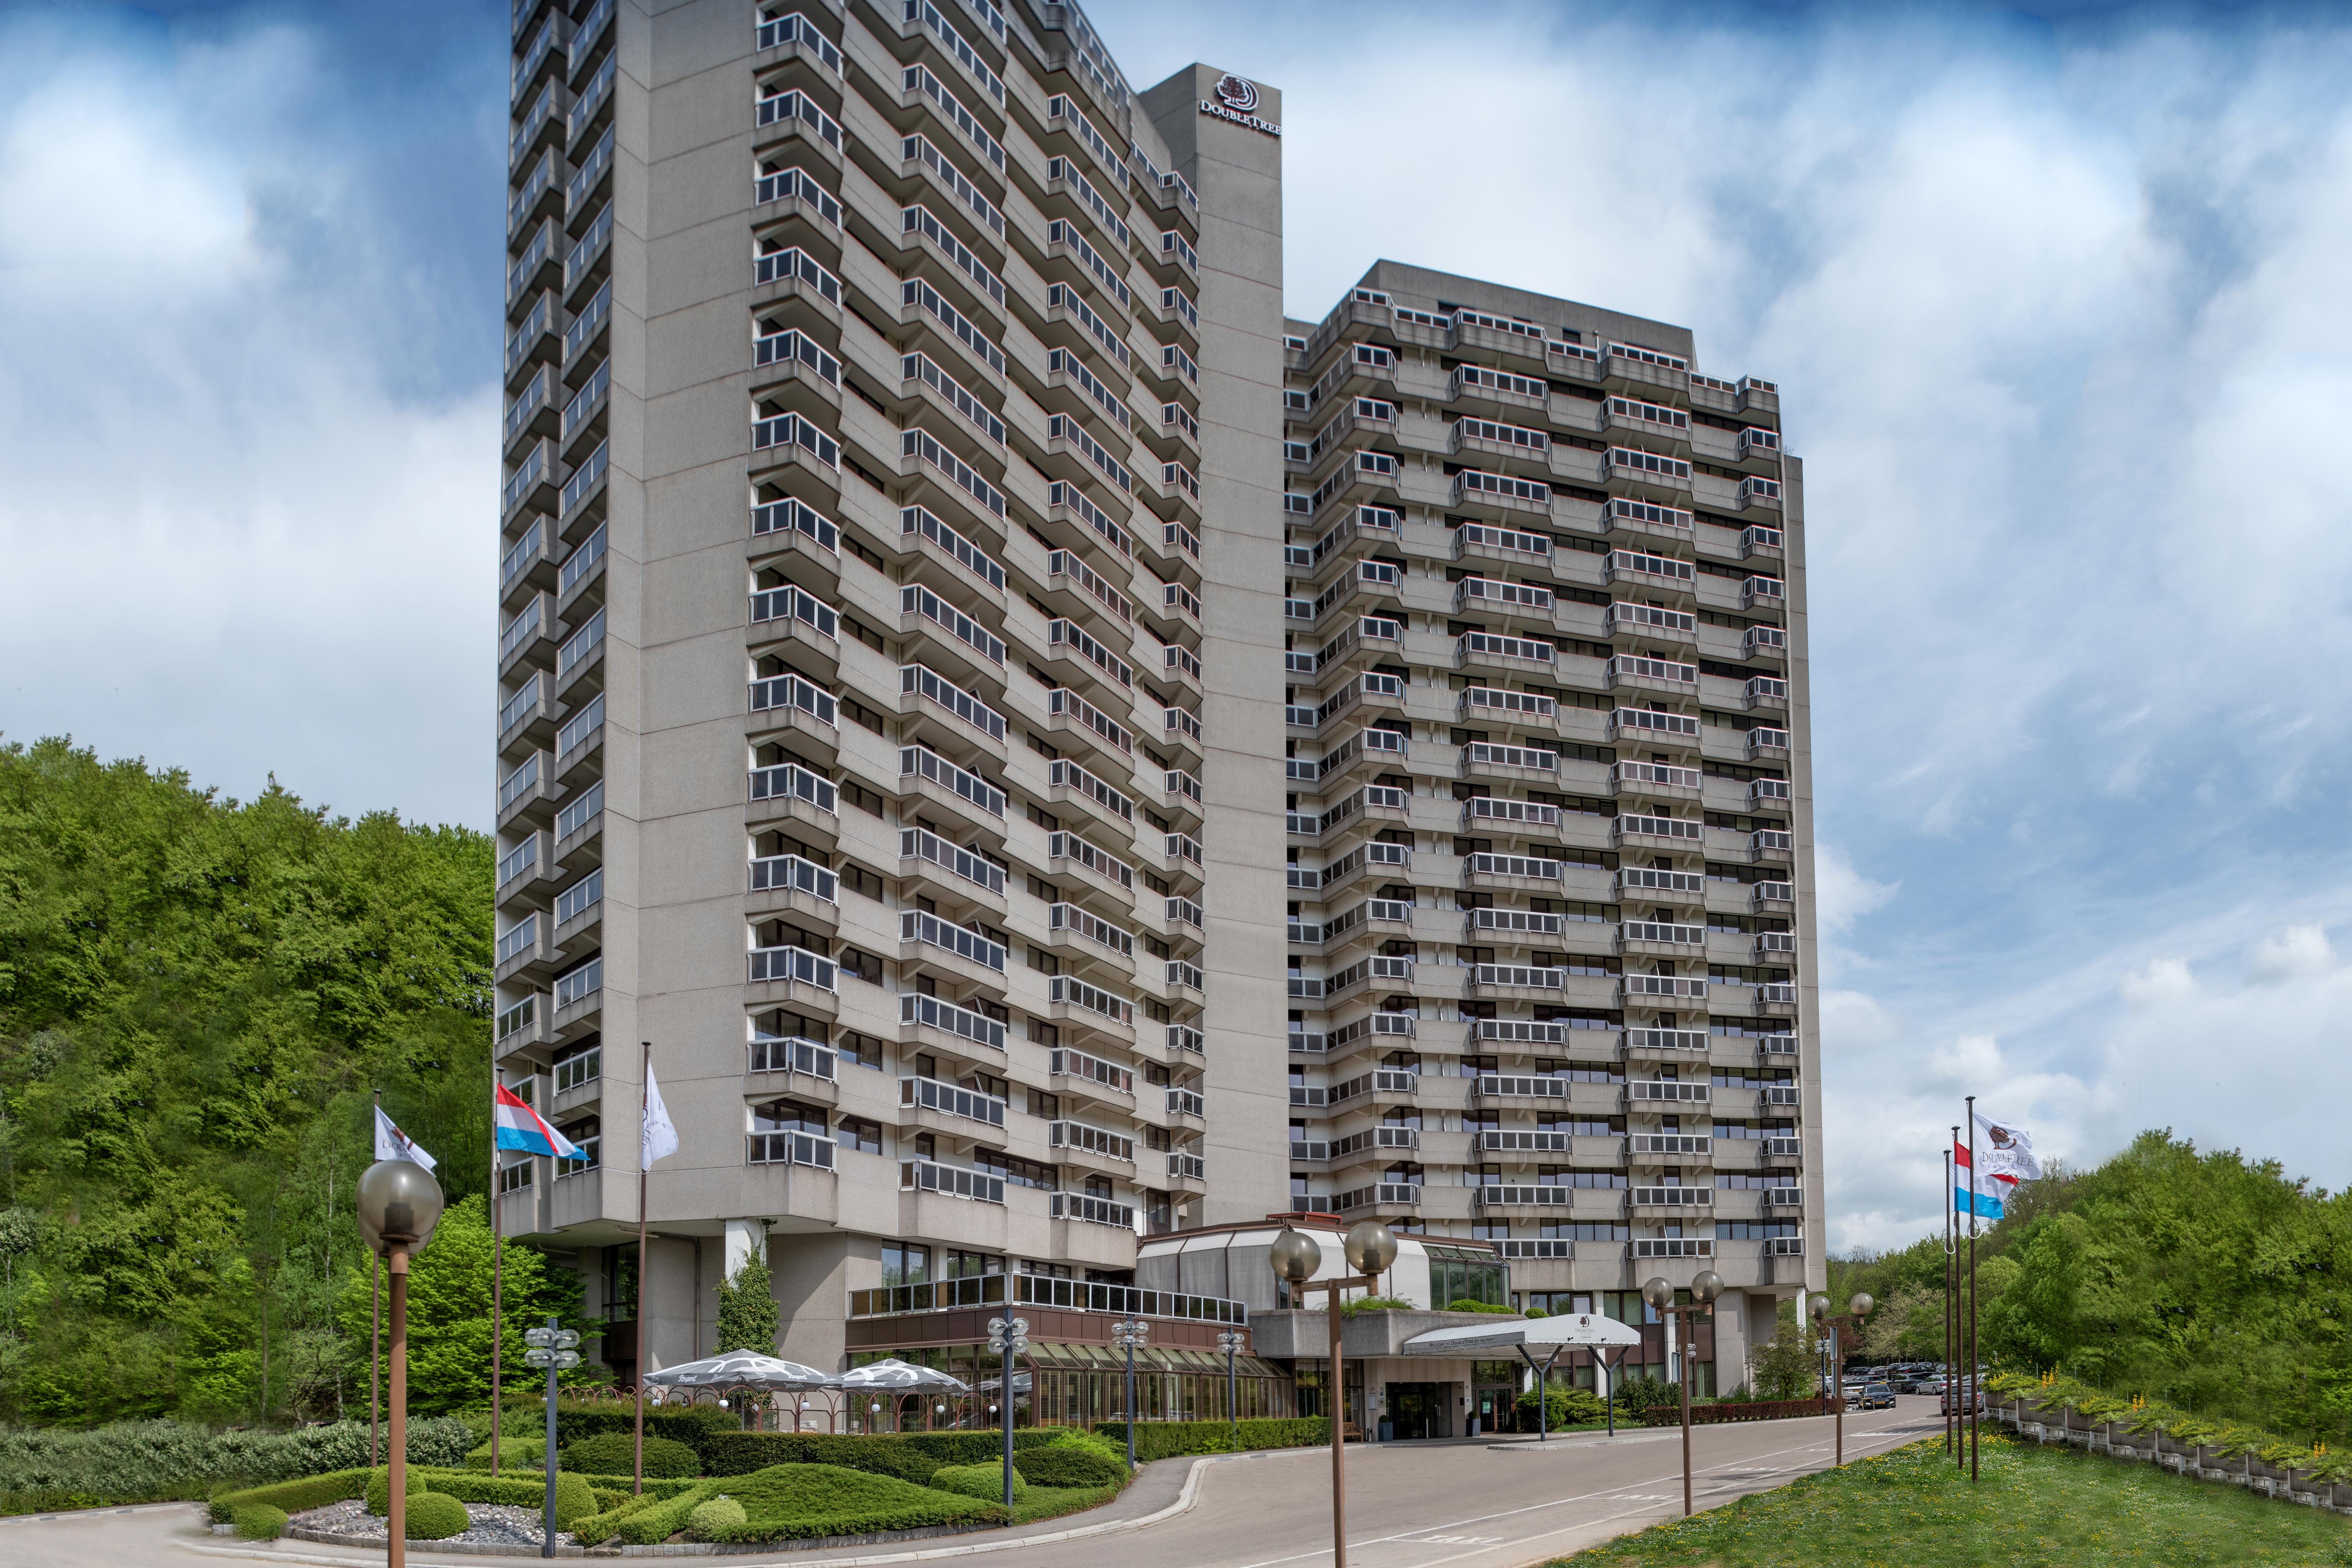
<point x="2035" y="1508"/>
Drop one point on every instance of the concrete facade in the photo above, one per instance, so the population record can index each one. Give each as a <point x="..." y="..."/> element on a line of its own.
<point x="894" y="726"/>
<point x="1552" y="980"/>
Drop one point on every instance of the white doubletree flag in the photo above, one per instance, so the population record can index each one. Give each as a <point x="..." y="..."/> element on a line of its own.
<point x="659" y="1137"/>
<point x="2004" y="1149"/>
<point x="391" y="1143"/>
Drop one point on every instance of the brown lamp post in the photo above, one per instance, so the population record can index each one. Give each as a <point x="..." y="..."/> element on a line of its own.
<point x="399" y="1205"/>
<point x="1369" y="1250"/>
<point x="1857" y="1308"/>
<point x="1659" y="1292"/>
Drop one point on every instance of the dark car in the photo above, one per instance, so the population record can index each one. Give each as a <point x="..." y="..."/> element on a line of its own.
<point x="1877" y="1397"/>
<point x="1957" y="1395"/>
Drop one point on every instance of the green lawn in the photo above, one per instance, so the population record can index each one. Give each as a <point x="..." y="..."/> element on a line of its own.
<point x="2035" y="1508"/>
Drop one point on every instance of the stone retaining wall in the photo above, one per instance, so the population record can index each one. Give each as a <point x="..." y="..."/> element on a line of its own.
<point x="2061" y="1423"/>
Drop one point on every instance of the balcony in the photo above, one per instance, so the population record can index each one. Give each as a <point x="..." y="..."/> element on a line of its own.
<point x="1662" y="939"/>
<point x="959" y="876"/>
<point x="787" y="882"/>
<point x="1483" y="650"/>
<point x="1506" y="1088"/>
<point x="1511" y="1141"/>
<point x="1493" y="597"/>
<point x="1483" y="813"/>
<point x="1482" y="758"/>
<point x="948" y="717"/>
<point x="1653" y="1147"/>
<point x="1380" y="1088"/>
<point x="1641" y="830"/>
<point x="1474" y="488"/>
<point x="792" y="1147"/>
<point x="1680" y="1200"/>
<point x="1773" y="898"/>
<point x="1075" y="1004"/>
<point x="1541" y="1197"/>
<point x="959" y="1031"/>
<point x="949" y="1181"/>
<point x="1667" y="1091"/>
<point x="1661" y="887"/>
<point x="795" y="977"/>
<point x="1379" y="1200"/>
<point x="1677" y="1043"/>
<point x="1652" y="727"/>
<point x="1656" y="573"/>
<point x="1516" y="873"/>
<point x="1087" y="937"/>
<point x="1659" y="780"/>
<point x="790" y="614"/>
<point x="1636" y="672"/>
<point x="1512" y="982"/>
<point x="1772" y="846"/>
<point x="787" y="702"/>
<point x="1765" y="691"/>
<point x="1653" y="623"/>
<point x="1672" y="1246"/>
<point x="1510" y="547"/>
<point x="1660" y="991"/>
<point x="1189" y="1172"/>
<point x="789" y="792"/>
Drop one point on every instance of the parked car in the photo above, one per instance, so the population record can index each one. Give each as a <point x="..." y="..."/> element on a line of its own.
<point x="1931" y="1384"/>
<point x="1958" y="1396"/>
<point x="1877" y="1397"/>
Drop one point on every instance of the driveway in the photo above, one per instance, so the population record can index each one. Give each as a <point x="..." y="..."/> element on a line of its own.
<point x="1464" y="1504"/>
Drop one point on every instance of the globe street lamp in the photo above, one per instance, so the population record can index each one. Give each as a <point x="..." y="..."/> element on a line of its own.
<point x="1367" y="1250"/>
<point x="1008" y="1337"/>
<point x="554" y="1349"/>
<point x="1660" y="1295"/>
<point x="1231" y="1342"/>
<point x="1129" y="1333"/>
<point x="399" y="1205"/>
<point x="1857" y="1308"/>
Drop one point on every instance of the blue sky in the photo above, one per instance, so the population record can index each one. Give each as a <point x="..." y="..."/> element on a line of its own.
<point x="2057" y="301"/>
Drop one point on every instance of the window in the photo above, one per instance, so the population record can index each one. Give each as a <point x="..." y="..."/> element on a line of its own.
<point x="860" y="881"/>
<point x="863" y="715"/>
<point x="860" y="1050"/>
<point x="906" y="1265"/>
<point x="961" y="1265"/>
<point x="858" y="1135"/>
<point x="864" y="799"/>
<point x="789" y="1116"/>
<point x="1013" y="1169"/>
<point x="863" y="966"/>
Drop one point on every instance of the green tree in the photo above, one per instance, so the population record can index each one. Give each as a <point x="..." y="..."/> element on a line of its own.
<point x="748" y="1318"/>
<point x="449" y="1288"/>
<point x="197" y="996"/>
<point x="1786" y="1367"/>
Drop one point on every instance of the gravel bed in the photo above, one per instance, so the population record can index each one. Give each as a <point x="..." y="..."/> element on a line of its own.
<point x="492" y="1524"/>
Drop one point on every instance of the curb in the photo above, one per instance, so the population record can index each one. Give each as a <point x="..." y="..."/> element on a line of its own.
<point x="1185" y="1500"/>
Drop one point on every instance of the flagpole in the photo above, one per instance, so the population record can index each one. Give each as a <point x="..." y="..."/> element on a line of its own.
<point x="1976" y="1393"/>
<point x="498" y="1272"/>
<point x="1950" y="1403"/>
<point x="645" y="1095"/>
<point x="375" y="1320"/>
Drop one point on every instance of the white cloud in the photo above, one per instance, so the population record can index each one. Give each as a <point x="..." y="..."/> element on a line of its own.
<point x="1843" y="894"/>
<point x="237" y="550"/>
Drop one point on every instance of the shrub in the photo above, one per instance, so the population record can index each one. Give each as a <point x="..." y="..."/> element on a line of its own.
<point x="435" y="1516"/>
<point x="1066" y="1464"/>
<point x="615" y="1454"/>
<point x="908" y="1455"/>
<point x="1466" y="1305"/>
<point x="378" y="1488"/>
<point x="294" y="1497"/>
<point x="1164" y="1440"/>
<point x="605" y="1521"/>
<point x="692" y="1424"/>
<point x="130" y="1461"/>
<point x="258" y="1522"/>
<point x="985" y="1482"/>
<point x="1375" y="1304"/>
<point x="720" y="1514"/>
<point x="659" y="1522"/>
<point x="1090" y="1442"/>
<point x="803" y="1502"/>
<point x="573" y="1498"/>
<point x="1565" y="1407"/>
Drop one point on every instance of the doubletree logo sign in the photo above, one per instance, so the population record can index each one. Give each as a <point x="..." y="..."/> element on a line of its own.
<point x="1237" y="96"/>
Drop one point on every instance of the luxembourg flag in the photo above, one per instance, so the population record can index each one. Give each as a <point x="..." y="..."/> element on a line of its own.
<point x="1993" y="1187"/>
<point x="522" y="1128"/>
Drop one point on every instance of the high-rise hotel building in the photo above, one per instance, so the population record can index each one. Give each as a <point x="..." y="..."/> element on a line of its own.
<point x="908" y="724"/>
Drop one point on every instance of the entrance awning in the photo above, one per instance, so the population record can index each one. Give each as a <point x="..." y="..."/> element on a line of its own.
<point x="1584" y="1329"/>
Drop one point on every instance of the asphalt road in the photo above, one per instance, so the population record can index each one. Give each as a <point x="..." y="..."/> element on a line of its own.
<point x="1462" y="1505"/>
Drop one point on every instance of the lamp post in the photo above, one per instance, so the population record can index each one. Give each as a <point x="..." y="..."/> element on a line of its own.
<point x="1127" y="1333"/>
<point x="552" y="1348"/>
<point x="1857" y="1308"/>
<point x="1659" y="1292"/>
<point x="1231" y="1340"/>
<point x="1367" y="1250"/>
<point x="399" y="1205"/>
<point x="1009" y="1337"/>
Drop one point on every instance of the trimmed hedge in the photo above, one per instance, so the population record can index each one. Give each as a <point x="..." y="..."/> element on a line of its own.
<point x="258" y="1522"/>
<point x="615" y="1454"/>
<point x="294" y="1497"/>
<point x="1066" y="1464"/>
<point x="909" y="1456"/>
<point x="602" y="1525"/>
<point x="692" y="1424"/>
<point x="573" y="1498"/>
<point x="1756" y="1410"/>
<point x="378" y="1488"/>
<point x="985" y="1482"/>
<point x="123" y="1462"/>
<point x="1167" y="1439"/>
<point x="808" y="1502"/>
<point x="720" y="1514"/>
<point x="433" y="1516"/>
<point x="657" y="1522"/>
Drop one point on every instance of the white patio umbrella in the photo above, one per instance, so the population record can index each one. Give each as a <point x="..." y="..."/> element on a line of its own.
<point x="896" y="1377"/>
<point x="743" y="1369"/>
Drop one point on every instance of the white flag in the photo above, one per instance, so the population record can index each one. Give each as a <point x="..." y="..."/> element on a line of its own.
<point x="391" y="1143"/>
<point x="2005" y="1149"/>
<point x="659" y="1137"/>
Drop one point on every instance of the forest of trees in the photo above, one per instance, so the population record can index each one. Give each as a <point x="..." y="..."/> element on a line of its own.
<point x="2213" y="1281"/>
<point x="197" y="998"/>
